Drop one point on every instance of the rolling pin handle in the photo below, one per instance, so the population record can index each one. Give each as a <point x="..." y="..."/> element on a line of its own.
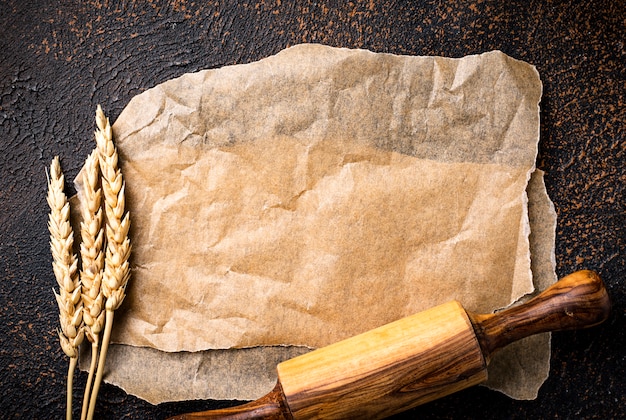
<point x="578" y="300"/>
<point x="270" y="407"/>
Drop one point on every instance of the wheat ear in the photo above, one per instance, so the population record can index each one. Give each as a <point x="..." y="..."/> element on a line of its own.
<point x="116" y="265"/>
<point x="92" y="263"/>
<point x="65" y="267"/>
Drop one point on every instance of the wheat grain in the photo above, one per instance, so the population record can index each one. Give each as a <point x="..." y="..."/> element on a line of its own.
<point x="117" y="271"/>
<point x="64" y="262"/>
<point x="92" y="256"/>
<point x="65" y="267"/>
<point x="117" y="223"/>
<point x="92" y="262"/>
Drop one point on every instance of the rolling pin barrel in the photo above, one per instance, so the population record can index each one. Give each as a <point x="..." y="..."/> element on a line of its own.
<point x="386" y="370"/>
<point x="416" y="359"/>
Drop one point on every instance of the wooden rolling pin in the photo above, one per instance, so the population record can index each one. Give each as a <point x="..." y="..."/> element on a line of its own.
<point x="416" y="359"/>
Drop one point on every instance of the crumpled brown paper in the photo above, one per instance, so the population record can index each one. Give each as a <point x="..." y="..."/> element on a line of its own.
<point x="292" y="202"/>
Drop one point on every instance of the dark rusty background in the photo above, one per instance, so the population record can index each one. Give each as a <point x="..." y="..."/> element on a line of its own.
<point x="59" y="59"/>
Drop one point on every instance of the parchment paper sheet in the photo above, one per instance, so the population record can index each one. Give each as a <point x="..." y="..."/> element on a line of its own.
<point x="157" y="376"/>
<point x="319" y="193"/>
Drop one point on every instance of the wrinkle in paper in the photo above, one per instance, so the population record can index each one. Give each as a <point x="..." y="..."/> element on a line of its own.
<point x="322" y="192"/>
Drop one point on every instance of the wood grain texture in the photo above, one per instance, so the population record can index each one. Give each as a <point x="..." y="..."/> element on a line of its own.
<point x="271" y="407"/>
<point x="578" y="300"/>
<point x="387" y="370"/>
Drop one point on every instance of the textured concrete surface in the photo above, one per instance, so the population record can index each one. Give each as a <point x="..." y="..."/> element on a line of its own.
<point x="60" y="59"/>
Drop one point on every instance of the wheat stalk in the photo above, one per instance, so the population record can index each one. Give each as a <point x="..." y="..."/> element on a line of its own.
<point x="116" y="265"/>
<point x="65" y="267"/>
<point x="92" y="263"/>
